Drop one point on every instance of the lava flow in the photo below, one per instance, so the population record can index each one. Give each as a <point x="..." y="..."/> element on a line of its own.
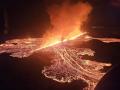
<point x="67" y="64"/>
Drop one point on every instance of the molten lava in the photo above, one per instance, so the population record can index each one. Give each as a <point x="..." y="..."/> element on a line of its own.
<point x="67" y="65"/>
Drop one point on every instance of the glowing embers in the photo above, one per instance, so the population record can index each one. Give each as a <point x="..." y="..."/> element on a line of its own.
<point x="68" y="65"/>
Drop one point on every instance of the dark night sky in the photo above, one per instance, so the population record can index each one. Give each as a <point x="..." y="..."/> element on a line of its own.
<point x="26" y="18"/>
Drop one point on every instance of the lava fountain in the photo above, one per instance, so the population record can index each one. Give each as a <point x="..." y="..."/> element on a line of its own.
<point x="66" y="20"/>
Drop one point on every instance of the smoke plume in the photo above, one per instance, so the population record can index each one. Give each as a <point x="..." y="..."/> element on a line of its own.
<point x="66" y="20"/>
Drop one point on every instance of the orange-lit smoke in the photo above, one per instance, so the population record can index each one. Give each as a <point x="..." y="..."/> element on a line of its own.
<point x="66" y="20"/>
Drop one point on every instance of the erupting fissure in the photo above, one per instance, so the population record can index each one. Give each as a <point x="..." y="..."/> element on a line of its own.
<point x="67" y="64"/>
<point x="66" y="20"/>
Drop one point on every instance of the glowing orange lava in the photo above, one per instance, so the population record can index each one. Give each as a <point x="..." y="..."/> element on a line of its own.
<point x="56" y="40"/>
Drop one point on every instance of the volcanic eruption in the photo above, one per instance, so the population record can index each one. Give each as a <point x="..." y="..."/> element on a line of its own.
<point x="68" y="63"/>
<point x="66" y="20"/>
